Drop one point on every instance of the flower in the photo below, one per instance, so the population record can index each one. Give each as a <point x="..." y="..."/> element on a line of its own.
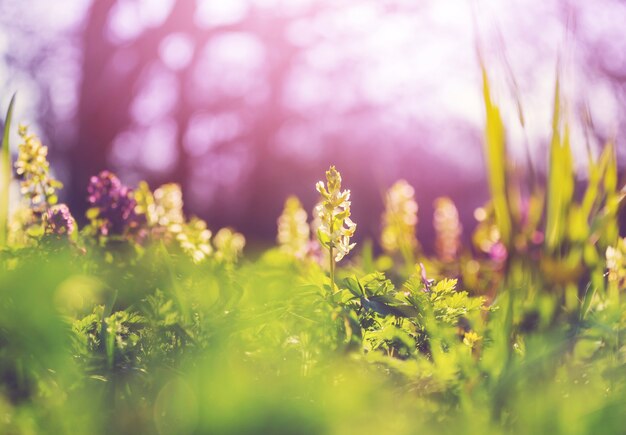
<point x="399" y="219"/>
<point x="293" y="229"/>
<point x="315" y="249"/>
<point x="448" y="229"/>
<point x="163" y="209"/>
<point x="486" y="237"/>
<point x="194" y="238"/>
<point x="168" y="205"/>
<point x="144" y="200"/>
<point x="113" y="205"/>
<point x="229" y="245"/>
<point x="59" y="221"/>
<point x="471" y="338"/>
<point x="336" y="227"/>
<point x="33" y="170"/>
<point x="616" y="263"/>
<point x="498" y="252"/>
<point x="163" y="213"/>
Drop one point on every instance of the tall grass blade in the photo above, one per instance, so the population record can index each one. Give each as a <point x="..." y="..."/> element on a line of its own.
<point x="5" y="171"/>
<point x="560" y="180"/>
<point x="612" y="196"/>
<point x="495" y="152"/>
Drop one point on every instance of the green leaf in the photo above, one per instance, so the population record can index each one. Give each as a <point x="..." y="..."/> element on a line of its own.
<point x="561" y="180"/>
<point x="387" y="305"/>
<point x="5" y="170"/>
<point x="610" y="177"/>
<point x="495" y="152"/>
<point x="586" y="304"/>
<point x="354" y="286"/>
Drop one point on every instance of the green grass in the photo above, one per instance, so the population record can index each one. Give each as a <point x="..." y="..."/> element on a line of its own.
<point x="102" y="334"/>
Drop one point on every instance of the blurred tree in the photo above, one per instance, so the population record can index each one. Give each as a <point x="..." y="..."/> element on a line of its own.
<point x="246" y="101"/>
<point x="113" y="74"/>
<point x="113" y="86"/>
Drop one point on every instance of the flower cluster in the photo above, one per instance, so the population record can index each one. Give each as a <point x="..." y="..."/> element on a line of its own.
<point x="33" y="171"/>
<point x="229" y="245"/>
<point x="336" y="227"/>
<point x="168" y="205"/>
<point x="400" y="219"/>
<point x="59" y="221"/>
<point x="616" y="264"/>
<point x="144" y="203"/>
<point x="293" y="229"/>
<point x="194" y="238"/>
<point x="163" y="211"/>
<point x="113" y="205"/>
<point x="448" y="229"/>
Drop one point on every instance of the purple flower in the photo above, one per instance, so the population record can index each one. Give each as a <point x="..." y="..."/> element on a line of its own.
<point x="104" y="189"/>
<point x="114" y="202"/>
<point x="498" y="252"/>
<point x="59" y="221"/>
<point x="427" y="282"/>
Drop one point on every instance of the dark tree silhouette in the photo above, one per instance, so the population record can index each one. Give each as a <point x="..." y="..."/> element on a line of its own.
<point x="345" y="126"/>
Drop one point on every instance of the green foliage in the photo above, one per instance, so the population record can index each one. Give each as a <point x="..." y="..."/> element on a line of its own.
<point x="145" y="323"/>
<point x="446" y="303"/>
<point x="557" y="237"/>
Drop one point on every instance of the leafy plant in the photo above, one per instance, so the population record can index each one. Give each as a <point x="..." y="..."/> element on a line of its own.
<point x="144" y="321"/>
<point x="336" y="228"/>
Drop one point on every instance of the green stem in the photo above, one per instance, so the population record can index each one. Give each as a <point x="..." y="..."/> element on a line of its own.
<point x="409" y="257"/>
<point x="108" y="340"/>
<point x="332" y="256"/>
<point x="332" y="270"/>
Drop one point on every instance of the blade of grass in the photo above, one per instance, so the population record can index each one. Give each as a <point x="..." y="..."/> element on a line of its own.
<point x="561" y="179"/>
<point x="495" y="152"/>
<point x="5" y="170"/>
<point x="612" y="201"/>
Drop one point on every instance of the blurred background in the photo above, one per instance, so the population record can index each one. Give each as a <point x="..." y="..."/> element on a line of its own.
<point x="244" y="102"/>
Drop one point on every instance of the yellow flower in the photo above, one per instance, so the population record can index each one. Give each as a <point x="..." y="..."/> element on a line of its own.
<point x="168" y="205"/>
<point x="164" y="215"/>
<point x="194" y="238"/>
<point x="229" y="245"/>
<point x="33" y="171"/>
<point x="293" y="229"/>
<point x="336" y="228"/>
<point x="448" y="229"/>
<point x="616" y="263"/>
<point x="400" y="219"/>
<point x="471" y="338"/>
<point x="145" y="203"/>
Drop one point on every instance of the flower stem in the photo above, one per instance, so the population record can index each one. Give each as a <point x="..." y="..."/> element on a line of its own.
<point x="332" y="270"/>
<point x="332" y="257"/>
